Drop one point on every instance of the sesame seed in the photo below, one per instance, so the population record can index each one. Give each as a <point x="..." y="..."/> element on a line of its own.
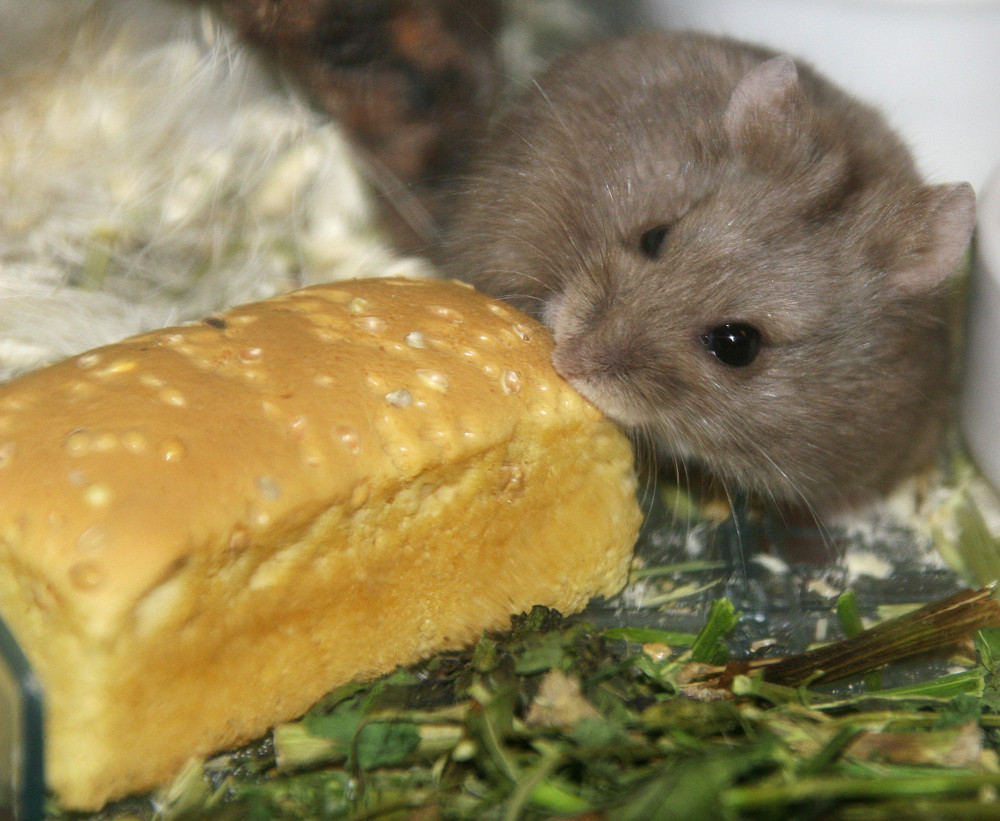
<point x="399" y="398"/>
<point x="435" y="380"/>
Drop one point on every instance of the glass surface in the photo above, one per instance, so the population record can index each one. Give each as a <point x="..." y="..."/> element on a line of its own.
<point x="783" y="572"/>
<point x="22" y="776"/>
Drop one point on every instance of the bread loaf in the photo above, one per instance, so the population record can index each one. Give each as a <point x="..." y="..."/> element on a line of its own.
<point x="206" y="528"/>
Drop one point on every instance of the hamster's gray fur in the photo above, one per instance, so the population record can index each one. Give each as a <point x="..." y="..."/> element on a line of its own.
<point x="656" y="197"/>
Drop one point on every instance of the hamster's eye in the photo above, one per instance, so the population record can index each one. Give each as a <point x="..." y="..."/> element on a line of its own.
<point x="735" y="344"/>
<point x="651" y="241"/>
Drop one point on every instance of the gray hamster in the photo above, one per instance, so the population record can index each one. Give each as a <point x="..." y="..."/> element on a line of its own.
<point x="739" y="261"/>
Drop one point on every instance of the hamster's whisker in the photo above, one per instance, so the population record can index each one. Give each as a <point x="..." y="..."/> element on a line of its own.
<point x="741" y="545"/>
<point x="825" y="536"/>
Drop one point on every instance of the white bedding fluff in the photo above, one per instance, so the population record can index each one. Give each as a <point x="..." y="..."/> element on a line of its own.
<point x="152" y="172"/>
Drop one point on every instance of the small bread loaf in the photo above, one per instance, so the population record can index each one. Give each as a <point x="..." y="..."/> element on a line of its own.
<point x="206" y="528"/>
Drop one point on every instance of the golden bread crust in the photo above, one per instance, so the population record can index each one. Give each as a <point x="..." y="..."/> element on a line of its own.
<point x="204" y="529"/>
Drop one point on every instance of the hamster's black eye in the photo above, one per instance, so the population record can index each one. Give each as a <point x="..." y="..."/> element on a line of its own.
<point x="651" y="241"/>
<point x="736" y="344"/>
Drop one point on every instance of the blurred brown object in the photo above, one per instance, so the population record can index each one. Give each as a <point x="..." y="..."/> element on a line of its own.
<point x="412" y="81"/>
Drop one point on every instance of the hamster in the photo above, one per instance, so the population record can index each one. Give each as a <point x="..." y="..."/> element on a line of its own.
<point x="738" y="261"/>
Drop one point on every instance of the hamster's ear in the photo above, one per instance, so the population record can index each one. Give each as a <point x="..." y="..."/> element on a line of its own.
<point x="766" y="101"/>
<point x="945" y="217"/>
